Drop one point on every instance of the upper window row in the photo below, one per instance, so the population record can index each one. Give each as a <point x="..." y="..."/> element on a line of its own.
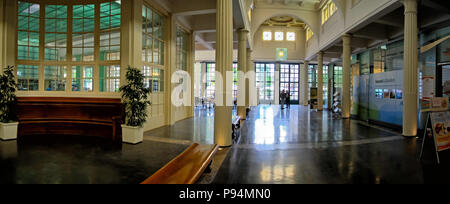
<point x="328" y="10"/>
<point x="279" y="36"/>
<point x="66" y="37"/>
<point x="152" y="37"/>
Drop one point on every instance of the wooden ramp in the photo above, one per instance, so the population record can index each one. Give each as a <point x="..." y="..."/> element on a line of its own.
<point x="187" y="167"/>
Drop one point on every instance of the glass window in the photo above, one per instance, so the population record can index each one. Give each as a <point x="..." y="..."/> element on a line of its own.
<point x="109" y="78"/>
<point x="28" y="31"/>
<point x="267" y="36"/>
<point x="289" y="80"/>
<point x="265" y="78"/>
<point x="328" y="10"/>
<point x="279" y="36"/>
<point x="55" y="32"/>
<point x="147" y="71"/>
<point x="154" y="79"/>
<point x="210" y="80"/>
<point x="182" y="46"/>
<point x="157" y="80"/>
<point x="83" y="32"/>
<point x="235" y="80"/>
<point x="337" y="77"/>
<point x="152" y="36"/>
<point x="55" y="78"/>
<point x="45" y="25"/>
<point x="82" y="78"/>
<point x="394" y="56"/>
<point x="28" y="77"/>
<point x="290" y="36"/>
<point x="365" y="63"/>
<point x="110" y="15"/>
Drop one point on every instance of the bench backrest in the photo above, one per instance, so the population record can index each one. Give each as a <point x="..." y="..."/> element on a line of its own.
<point x="185" y="168"/>
<point x="69" y="116"/>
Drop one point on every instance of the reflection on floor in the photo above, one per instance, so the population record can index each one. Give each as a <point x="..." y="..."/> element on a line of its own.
<point x="289" y="146"/>
<point x="66" y="160"/>
<point x="299" y="146"/>
<point x="199" y="129"/>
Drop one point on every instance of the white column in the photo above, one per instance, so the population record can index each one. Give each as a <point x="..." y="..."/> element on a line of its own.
<point x="224" y="63"/>
<point x="277" y="84"/>
<point x="242" y="66"/>
<point x="305" y="85"/>
<point x="191" y="37"/>
<point x="248" y="86"/>
<point x="320" y="80"/>
<point x="410" y="103"/>
<point x="346" y="76"/>
<point x="203" y="80"/>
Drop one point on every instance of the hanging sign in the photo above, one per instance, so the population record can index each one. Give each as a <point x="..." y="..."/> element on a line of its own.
<point x="281" y="54"/>
<point x="427" y="87"/>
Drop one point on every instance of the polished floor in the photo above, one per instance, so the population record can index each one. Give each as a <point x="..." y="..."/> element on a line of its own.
<point x="67" y="160"/>
<point x="298" y="146"/>
<point x="294" y="146"/>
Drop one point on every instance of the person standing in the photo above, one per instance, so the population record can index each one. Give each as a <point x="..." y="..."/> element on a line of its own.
<point x="282" y="99"/>
<point x="288" y="99"/>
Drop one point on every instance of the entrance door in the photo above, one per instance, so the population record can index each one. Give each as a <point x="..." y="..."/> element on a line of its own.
<point x="265" y="78"/>
<point x="289" y="80"/>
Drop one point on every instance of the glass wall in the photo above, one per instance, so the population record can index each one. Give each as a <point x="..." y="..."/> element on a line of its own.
<point x="153" y="49"/>
<point x="289" y="80"/>
<point x="211" y="80"/>
<point x="182" y="47"/>
<point x="265" y="79"/>
<point x="56" y="42"/>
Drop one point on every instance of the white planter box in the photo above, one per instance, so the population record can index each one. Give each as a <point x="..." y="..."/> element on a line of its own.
<point x="132" y="135"/>
<point x="8" y="131"/>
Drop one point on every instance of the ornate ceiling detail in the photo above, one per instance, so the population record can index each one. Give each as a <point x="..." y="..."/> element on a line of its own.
<point x="286" y="21"/>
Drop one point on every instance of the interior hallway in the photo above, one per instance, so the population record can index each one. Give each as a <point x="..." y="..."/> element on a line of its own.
<point x="301" y="146"/>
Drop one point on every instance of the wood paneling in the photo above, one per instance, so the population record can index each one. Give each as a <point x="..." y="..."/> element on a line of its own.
<point x="187" y="167"/>
<point x="95" y="117"/>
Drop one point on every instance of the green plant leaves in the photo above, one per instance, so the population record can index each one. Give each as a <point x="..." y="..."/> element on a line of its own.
<point x="8" y="99"/>
<point x="135" y="98"/>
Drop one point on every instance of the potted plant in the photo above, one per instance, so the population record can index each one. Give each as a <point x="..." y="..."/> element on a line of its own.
<point x="8" y="101"/>
<point x="135" y="100"/>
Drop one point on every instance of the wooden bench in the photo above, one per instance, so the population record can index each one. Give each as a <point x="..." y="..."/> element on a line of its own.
<point x="187" y="167"/>
<point x="97" y="117"/>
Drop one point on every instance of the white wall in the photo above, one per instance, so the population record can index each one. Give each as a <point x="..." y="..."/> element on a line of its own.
<point x="352" y="14"/>
<point x="266" y="50"/>
<point x="210" y="55"/>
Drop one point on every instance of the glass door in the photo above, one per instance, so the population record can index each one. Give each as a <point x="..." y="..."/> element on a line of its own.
<point x="265" y="78"/>
<point x="289" y="81"/>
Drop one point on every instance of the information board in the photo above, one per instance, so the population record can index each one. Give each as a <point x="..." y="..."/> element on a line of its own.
<point x="440" y="122"/>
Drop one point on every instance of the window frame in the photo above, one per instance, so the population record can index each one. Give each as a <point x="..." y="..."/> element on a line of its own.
<point x="149" y="66"/>
<point x="69" y="63"/>
<point x="294" y="34"/>
<point x="264" y="36"/>
<point x="282" y="36"/>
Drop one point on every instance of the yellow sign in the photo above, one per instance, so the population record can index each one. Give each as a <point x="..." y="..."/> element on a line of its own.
<point x="441" y="129"/>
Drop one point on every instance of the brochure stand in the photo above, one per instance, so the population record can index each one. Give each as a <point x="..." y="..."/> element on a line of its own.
<point x="437" y="121"/>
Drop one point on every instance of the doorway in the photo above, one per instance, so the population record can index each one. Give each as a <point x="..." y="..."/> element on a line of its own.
<point x="265" y="82"/>
<point x="289" y="81"/>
